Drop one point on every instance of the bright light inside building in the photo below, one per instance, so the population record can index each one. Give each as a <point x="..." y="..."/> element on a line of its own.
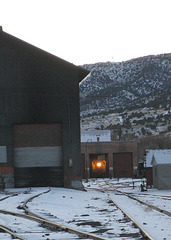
<point x="99" y="164"/>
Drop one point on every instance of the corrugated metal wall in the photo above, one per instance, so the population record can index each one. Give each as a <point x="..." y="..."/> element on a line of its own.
<point x="83" y="165"/>
<point x="38" y="155"/>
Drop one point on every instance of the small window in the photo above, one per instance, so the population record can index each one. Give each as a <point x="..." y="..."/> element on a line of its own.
<point x="3" y="154"/>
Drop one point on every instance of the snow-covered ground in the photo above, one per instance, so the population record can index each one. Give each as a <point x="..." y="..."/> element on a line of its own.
<point x="90" y="211"/>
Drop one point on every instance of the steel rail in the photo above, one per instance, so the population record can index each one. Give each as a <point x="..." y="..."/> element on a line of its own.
<point x="9" y="231"/>
<point x="68" y="229"/>
<point x="144" y="233"/>
<point x="2" y="199"/>
<point x="25" y="208"/>
<point x="47" y="223"/>
<point x="53" y="225"/>
<point x="140" y="201"/>
<point x="154" y="195"/>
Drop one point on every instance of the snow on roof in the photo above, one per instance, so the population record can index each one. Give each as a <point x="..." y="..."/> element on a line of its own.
<point x="95" y="135"/>
<point x="161" y="157"/>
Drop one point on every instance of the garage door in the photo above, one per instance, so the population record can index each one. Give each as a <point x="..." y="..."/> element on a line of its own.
<point x="38" y="155"/>
<point x="122" y="165"/>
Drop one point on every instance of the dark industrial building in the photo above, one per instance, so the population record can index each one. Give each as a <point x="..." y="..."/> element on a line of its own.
<point x="118" y="159"/>
<point x="39" y="117"/>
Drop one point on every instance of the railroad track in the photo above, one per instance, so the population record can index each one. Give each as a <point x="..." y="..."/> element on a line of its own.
<point x="8" y="196"/>
<point x="140" y="201"/>
<point x="60" y="228"/>
<point x="10" y="232"/>
<point x="105" y="186"/>
<point x="144" y="233"/>
<point x="44" y="222"/>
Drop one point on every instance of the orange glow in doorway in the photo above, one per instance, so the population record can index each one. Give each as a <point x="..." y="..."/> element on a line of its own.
<point x="99" y="164"/>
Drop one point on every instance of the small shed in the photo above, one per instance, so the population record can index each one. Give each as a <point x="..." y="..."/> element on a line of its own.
<point x="161" y="162"/>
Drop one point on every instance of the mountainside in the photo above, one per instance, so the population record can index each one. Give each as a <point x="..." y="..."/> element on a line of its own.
<point x="119" y="89"/>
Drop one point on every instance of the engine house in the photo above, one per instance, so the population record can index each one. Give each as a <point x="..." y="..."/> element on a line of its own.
<point x="118" y="159"/>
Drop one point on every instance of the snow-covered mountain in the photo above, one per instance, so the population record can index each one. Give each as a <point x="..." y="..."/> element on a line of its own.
<point x="126" y="87"/>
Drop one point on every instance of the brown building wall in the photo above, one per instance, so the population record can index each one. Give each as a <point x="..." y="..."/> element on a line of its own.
<point x="109" y="148"/>
<point x="149" y="176"/>
<point x="7" y="173"/>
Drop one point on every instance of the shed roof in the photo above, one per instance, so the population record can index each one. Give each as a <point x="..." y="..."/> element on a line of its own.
<point x="160" y="157"/>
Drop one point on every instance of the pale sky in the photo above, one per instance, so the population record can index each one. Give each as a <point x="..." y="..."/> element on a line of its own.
<point x="90" y="31"/>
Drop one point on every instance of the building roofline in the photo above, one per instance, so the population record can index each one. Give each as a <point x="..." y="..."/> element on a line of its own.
<point x="83" y="73"/>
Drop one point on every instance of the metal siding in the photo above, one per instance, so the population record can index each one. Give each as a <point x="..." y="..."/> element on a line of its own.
<point x="39" y="176"/>
<point x="38" y="156"/>
<point x="83" y="165"/>
<point x="3" y="154"/>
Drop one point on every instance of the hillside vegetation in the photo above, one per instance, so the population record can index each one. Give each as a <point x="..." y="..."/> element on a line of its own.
<point x="132" y="98"/>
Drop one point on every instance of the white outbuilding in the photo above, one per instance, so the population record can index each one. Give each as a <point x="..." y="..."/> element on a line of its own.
<point x="96" y="136"/>
<point x="161" y="163"/>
